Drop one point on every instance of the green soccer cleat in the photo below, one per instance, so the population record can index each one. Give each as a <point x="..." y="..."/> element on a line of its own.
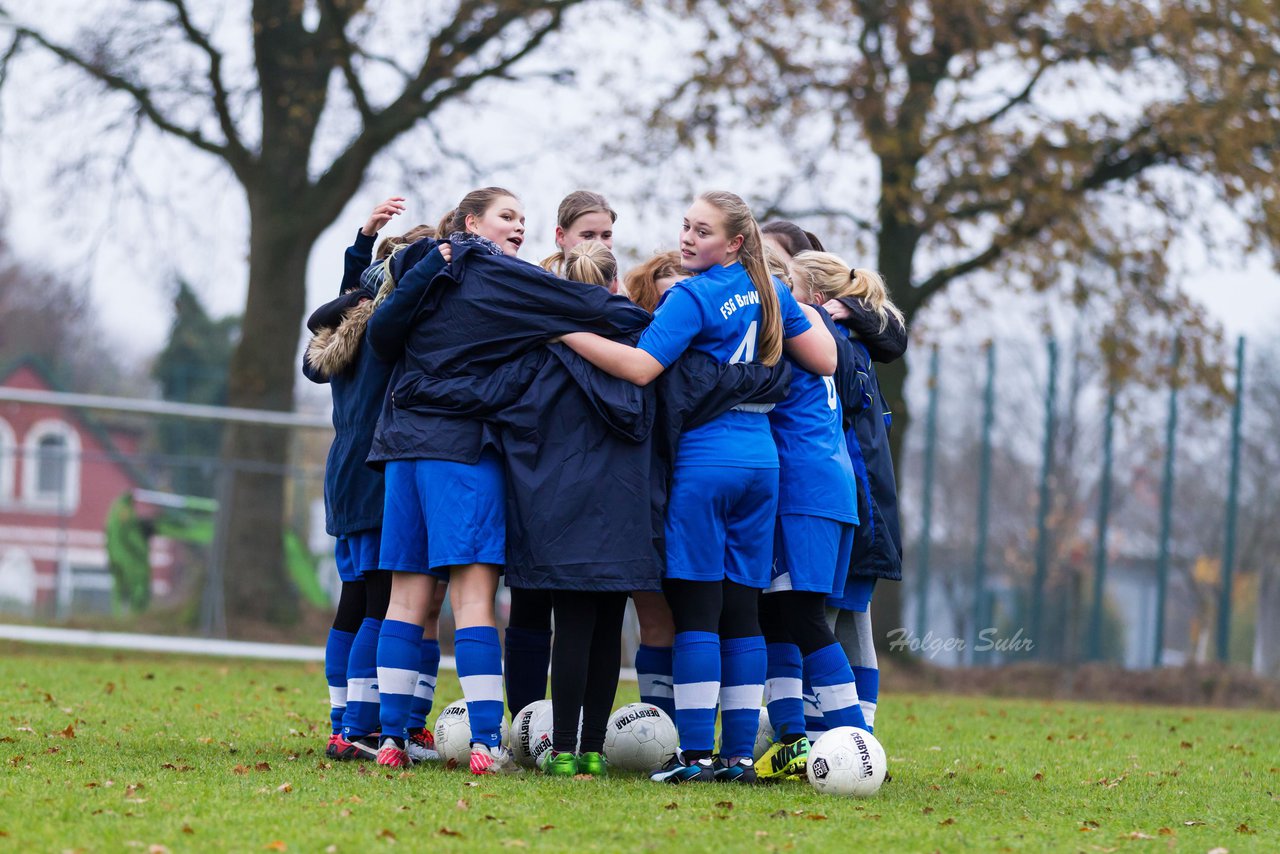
<point x="555" y="764"/>
<point x="784" y="760"/>
<point x="594" y="764"/>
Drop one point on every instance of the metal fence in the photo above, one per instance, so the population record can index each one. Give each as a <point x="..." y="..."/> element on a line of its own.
<point x="1047" y="513"/>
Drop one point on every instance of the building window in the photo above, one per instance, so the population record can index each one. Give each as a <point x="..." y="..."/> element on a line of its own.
<point x="51" y="470"/>
<point x="8" y="462"/>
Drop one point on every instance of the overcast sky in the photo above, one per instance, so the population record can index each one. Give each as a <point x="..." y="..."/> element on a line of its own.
<point x="531" y="140"/>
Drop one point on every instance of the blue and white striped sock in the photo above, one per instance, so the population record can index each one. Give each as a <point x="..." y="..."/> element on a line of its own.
<point x="833" y="685"/>
<point x="695" y="661"/>
<point x="479" y="657"/>
<point x="399" y="651"/>
<point x="363" y="708"/>
<point x="424" y="693"/>
<point x="868" y="681"/>
<point x="783" y="691"/>
<point x="743" y="664"/>
<point x="337" y="652"/>
<point x="814" y="725"/>
<point x="653" y="672"/>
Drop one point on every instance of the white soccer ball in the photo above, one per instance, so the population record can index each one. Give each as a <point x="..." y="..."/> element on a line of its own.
<point x="453" y="734"/>
<point x="531" y="733"/>
<point x="639" y="737"/>
<point x="847" y="761"/>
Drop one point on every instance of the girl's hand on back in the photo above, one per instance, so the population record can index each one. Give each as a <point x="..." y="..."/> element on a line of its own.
<point x="382" y="215"/>
<point x="445" y="250"/>
<point x="837" y="309"/>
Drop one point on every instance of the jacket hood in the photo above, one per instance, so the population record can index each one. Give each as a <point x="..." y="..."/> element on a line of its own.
<point x="333" y="349"/>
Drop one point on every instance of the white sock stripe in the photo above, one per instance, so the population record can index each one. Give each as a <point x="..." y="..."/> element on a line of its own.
<point x="696" y="695"/>
<point x="338" y="696"/>
<point x="869" y="712"/>
<point x="481" y="687"/>
<point x="831" y="697"/>
<point x="362" y="691"/>
<point x="396" y="680"/>
<point x="424" y="679"/>
<point x="655" y="686"/>
<point x="783" y="687"/>
<point x="740" y="697"/>
<point x="811" y="708"/>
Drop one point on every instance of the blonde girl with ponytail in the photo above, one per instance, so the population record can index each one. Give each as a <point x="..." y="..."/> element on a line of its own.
<point x="824" y="279"/>
<point x="724" y="491"/>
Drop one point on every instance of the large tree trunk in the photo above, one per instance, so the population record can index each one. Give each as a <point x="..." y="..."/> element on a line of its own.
<point x="261" y="377"/>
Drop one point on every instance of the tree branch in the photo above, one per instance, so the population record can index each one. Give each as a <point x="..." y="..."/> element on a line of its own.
<point x="141" y="96"/>
<point x="221" y="102"/>
<point x="334" y="21"/>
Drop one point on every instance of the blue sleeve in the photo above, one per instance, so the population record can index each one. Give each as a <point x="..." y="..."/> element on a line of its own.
<point x="675" y="323"/>
<point x="389" y="325"/>
<point x="357" y="259"/>
<point x="793" y="320"/>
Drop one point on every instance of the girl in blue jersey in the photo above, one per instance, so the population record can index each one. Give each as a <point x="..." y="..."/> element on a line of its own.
<point x="817" y="515"/>
<point x="445" y="514"/>
<point x="859" y="300"/>
<point x="724" y="493"/>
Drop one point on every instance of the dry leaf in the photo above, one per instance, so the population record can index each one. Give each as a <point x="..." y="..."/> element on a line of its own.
<point x="69" y="732"/>
<point x="946" y="822"/>
<point x="262" y="766"/>
<point x="285" y="787"/>
<point x="1037" y="776"/>
<point x="187" y="829"/>
<point x="1219" y="850"/>
<point x="816" y="816"/>
<point x="1138" y="834"/>
<point x="671" y="806"/>
<point x="1244" y="828"/>
<point x="387" y="834"/>
<point x="462" y="804"/>
<point x="725" y="805"/>
<point x="1165" y="831"/>
<point x="445" y="831"/>
<point x="546" y="827"/>
<point x="240" y="769"/>
<point x="926" y="810"/>
<point x="1193" y="823"/>
<point x="276" y="845"/>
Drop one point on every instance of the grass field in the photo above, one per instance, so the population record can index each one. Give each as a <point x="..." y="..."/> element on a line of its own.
<point x="102" y="751"/>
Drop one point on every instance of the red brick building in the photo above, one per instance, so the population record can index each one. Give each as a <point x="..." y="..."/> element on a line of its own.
<point x="60" y="471"/>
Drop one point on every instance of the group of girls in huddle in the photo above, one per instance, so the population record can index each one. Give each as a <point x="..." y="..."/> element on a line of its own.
<point x="693" y="442"/>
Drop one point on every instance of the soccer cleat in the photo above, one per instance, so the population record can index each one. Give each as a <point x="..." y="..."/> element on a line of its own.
<point x="594" y="764"/>
<point x="392" y="755"/>
<point x="784" y="760"/>
<point x="493" y="760"/>
<point x="554" y="763"/>
<point x="332" y="750"/>
<point x="739" y="769"/>
<point x="422" y="746"/>
<point x="363" y="747"/>
<point x="678" y="771"/>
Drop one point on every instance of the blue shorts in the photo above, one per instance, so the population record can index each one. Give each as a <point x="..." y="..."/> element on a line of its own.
<point x="440" y="514"/>
<point x="811" y="553"/>
<point x="357" y="553"/>
<point x="720" y="524"/>
<point x="856" y="596"/>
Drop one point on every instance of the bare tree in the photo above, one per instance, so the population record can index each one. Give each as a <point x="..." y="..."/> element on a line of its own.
<point x="165" y="60"/>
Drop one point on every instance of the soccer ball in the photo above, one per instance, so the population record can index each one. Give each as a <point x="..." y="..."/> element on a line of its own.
<point x="764" y="734"/>
<point x="531" y="733"/>
<point x="639" y="737"/>
<point x="847" y="761"/>
<point x="453" y="734"/>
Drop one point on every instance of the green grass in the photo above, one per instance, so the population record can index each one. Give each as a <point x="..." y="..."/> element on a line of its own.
<point x="102" y="752"/>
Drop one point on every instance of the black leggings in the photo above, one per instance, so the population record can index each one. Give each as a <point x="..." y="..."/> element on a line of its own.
<point x="724" y="607"/>
<point x="586" y="652"/>
<point x="530" y="609"/>
<point x="368" y="597"/>
<point x="798" y="617"/>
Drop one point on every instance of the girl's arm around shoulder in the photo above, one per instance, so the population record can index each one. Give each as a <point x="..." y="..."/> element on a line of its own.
<point x="619" y="360"/>
<point x="814" y="349"/>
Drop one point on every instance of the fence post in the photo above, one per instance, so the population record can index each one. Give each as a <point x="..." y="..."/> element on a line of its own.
<point x="1104" y="518"/>
<point x="984" y="500"/>
<point x="213" y="604"/>
<point x="1042" y="513"/>
<point x="1166" y="504"/>
<point x="1229" y="543"/>
<point x="926" y="514"/>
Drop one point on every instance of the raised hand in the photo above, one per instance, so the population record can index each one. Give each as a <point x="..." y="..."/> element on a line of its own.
<point x="382" y="215"/>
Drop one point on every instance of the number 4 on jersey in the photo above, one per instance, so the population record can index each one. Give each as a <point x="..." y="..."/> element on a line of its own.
<point x="746" y="351"/>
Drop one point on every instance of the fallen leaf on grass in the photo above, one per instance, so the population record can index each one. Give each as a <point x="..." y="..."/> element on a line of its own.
<point x="240" y="769"/>
<point x="1244" y="828"/>
<point x="14" y="761"/>
<point x="514" y="843"/>
<point x="462" y="804"/>
<point x="344" y="813"/>
<point x="448" y="831"/>
<point x="157" y="849"/>
<point x="187" y="829"/>
<point x="276" y="845"/>
<point x="725" y="805"/>
<point x="816" y="816"/>
<point x="1037" y="776"/>
<point x="285" y="787"/>
<point x="1219" y="850"/>
<point x="1138" y="834"/>
<point x="1186" y="745"/>
<point x="672" y="806"/>
<point x="262" y="766"/>
<point x="387" y="834"/>
<point x="1193" y="823"/>
<point x="53" y="749"/>
<point x="1090" y="823"/>
<point x="546" y="827"/>
<point x="1165" y="831"/>
<point x="779" y="814"/>
<point x="946" y="822"/>
<point x="69" y="732"/>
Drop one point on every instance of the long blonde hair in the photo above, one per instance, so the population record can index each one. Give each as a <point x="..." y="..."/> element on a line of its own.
<point x="576" y="204"/>
<point x="828" y="275"/>
<point x="590" y="262"/>
<point x="739" y="221"/>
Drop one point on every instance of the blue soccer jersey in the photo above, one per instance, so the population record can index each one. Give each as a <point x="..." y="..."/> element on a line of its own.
<point x="718" y="313"/>
<point x="815" y="476"/>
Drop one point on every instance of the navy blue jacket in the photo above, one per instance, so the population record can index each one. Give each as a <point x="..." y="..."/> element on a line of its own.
<point x="877" y="544"/>
<point x="353" y="493"/>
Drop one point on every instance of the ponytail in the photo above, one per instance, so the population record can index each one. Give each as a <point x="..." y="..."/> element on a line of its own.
<point x="828" y="274"/>
<point x="591" y="263"/>
<point x="738" y="220"/>
<point x="554" y="263"/>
